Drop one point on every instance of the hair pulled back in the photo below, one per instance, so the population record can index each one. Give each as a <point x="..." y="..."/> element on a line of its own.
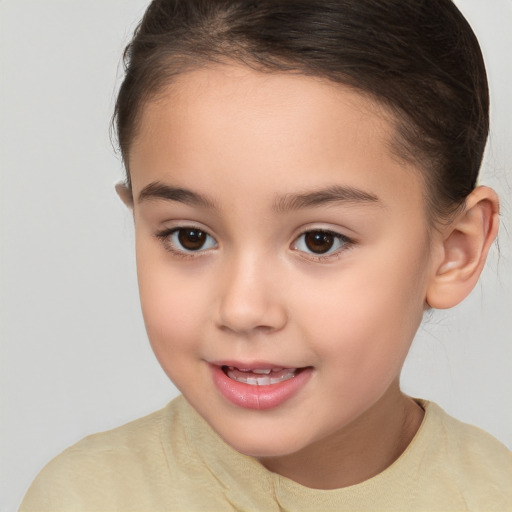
<point x="418" y="58"/>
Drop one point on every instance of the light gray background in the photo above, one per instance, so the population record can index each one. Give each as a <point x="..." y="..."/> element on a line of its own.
<point x="74" y="355"/>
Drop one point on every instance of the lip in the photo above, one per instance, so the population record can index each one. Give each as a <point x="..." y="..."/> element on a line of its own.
<point x="253" y="365"/>
<point x="257" y="397"/>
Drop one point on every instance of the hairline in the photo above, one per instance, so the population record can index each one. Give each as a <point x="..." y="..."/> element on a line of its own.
<point x="181" y="64"/>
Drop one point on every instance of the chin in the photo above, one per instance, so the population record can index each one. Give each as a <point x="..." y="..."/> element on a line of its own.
<point x="259" y="449"/>
<point x="262" y="443"/>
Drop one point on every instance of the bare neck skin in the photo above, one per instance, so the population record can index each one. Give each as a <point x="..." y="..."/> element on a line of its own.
<point x="360" y="451"/>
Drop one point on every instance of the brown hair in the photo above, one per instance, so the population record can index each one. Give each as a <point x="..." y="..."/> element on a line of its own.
<point x="418" y="58"/>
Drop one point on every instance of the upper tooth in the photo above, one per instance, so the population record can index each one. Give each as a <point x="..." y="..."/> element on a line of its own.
<point x="265" y="371"/>
<point x="263" y="380"/>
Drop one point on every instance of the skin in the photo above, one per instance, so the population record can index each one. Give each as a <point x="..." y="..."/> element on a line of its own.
<point x="242" y="139"/>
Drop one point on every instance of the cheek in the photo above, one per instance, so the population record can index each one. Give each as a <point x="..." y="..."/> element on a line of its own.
<point x="173" y="306"/>
<point x="366" y="318"/>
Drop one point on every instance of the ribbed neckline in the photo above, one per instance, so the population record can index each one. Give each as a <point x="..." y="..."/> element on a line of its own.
<point x="231" y="467"/>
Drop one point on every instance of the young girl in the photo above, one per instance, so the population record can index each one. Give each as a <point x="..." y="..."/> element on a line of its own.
<point x="302" y="177"/>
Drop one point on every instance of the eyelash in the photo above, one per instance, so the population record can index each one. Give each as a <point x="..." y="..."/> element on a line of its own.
<point x="345" y="243"/>
<point x="165" y="238"/>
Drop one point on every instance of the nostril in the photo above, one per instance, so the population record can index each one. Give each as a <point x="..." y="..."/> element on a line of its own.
<point x="239" y="329"/>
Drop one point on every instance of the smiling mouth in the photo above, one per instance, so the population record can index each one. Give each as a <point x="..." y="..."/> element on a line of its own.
<point x="261" y="376"/>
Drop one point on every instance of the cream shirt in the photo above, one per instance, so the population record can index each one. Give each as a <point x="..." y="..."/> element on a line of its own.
<point x="171" y="460"/>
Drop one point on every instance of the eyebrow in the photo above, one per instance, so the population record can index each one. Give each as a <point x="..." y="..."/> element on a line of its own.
<point x="332" y="194"/>
<point x="284" y="203"/>
<point x="157" y="190"/>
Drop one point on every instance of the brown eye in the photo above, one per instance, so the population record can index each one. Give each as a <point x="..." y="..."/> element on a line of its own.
<point x="319" y="242"/>
<point x="191" y="239"/>
<point x="186" y="240"/>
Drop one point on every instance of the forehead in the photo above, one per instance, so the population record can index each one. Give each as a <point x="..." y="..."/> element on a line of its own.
<point x="218" y="96"/>
<point x="218" y="125"/>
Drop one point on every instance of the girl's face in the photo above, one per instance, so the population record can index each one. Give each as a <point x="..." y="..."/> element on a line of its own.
<point x="282" y="250"/>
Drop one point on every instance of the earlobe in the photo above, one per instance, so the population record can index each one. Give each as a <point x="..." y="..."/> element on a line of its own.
<point x="125" y="194"/>
<point x="465" y="244"/>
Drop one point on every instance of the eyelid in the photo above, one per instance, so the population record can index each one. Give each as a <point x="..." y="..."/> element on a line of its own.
<point x="164" y="235"/>
<point x="347" y="243"/>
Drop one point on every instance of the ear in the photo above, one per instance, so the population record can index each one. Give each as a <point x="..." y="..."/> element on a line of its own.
<point x="125" y="194"/>
<point x="464" y="245"/>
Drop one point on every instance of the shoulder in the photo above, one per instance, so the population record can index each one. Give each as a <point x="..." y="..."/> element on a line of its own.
<point x="472" y="445"/>
<point x="470" y="461"/>
<point x="156" y="463"/>
<point x="104" y="469"/>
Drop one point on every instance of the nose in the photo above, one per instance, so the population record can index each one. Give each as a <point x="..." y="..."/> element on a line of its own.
<point x="250" y="299"/>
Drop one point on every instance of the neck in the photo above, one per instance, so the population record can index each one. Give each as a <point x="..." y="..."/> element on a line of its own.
<point x="357" y="452"/>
